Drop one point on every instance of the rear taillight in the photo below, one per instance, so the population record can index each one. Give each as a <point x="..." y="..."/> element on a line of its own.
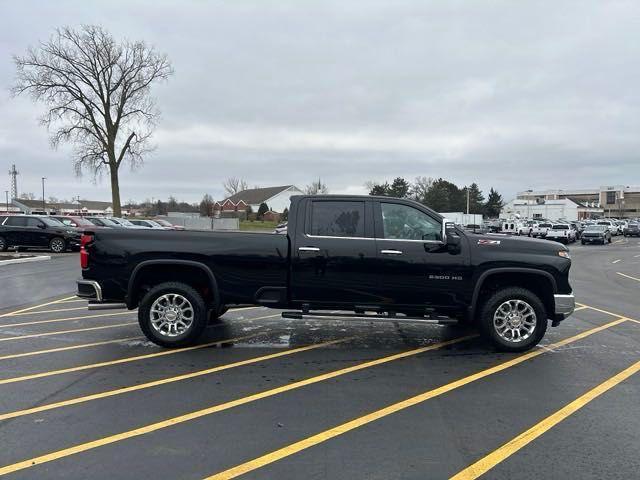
<point x="84" y="254"/>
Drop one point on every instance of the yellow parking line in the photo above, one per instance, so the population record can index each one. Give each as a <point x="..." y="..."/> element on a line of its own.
<point x="579" y="308"/>
<point x="608" y="313"/>
<point x="67" y="319"/>
<point x="49" y="311"/>
<point x="62" y="332"/>
<point x="617" y="261"/>
<point x="383" y="412"/>
<point x="485" y="464"/>
<point x="63" y="349"/>
<point x="164" y="381"/>
<point x="629" y="276"/>
<point x="216" y="408"/>
<point x="35" y="306"/>
<point x="74" y="300"/>
<point x="136" y="358"/>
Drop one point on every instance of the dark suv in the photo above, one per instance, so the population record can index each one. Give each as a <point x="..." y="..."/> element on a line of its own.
<point x="30" y="231"/>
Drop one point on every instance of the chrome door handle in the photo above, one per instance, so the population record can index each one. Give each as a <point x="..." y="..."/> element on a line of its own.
<point x="308" y="249"/>
<point x="391" y="252"/>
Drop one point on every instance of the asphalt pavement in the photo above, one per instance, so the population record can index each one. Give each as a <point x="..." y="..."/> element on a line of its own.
<point x="83" y="394"/>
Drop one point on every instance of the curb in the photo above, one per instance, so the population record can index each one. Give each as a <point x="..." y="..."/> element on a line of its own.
<point x="25" y="260"/>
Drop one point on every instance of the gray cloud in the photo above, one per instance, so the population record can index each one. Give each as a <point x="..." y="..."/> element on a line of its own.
<point x="513" y="95"/>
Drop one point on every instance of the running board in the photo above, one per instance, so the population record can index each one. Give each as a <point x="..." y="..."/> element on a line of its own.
<point x="106" y="306"/>
<point x="436" y="321"/>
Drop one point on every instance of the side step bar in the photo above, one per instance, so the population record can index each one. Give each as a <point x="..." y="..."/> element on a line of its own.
<point x="303" y="315"/>
<point x="106" y="306"/>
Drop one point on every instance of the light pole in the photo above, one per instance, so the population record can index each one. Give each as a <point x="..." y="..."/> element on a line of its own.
<point x="43" y="204"/>
<point x="6" y="194"/>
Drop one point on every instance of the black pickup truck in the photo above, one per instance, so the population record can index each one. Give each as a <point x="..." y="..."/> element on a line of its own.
<point x="365" y="256"/>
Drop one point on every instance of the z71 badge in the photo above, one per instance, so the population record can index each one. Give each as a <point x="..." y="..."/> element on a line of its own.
<point x="488" y="242"/>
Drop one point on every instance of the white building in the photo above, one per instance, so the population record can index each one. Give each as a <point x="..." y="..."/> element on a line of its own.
<point x="563" y="209"/>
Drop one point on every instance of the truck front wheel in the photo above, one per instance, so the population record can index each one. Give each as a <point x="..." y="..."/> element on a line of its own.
<point x="513" y="319"/>
<point x="172" y="314"/>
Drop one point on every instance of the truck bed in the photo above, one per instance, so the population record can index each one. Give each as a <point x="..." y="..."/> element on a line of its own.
<point x="242" y="262"/>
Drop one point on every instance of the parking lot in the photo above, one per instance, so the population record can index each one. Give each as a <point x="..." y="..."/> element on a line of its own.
<point x="84" y="394"/>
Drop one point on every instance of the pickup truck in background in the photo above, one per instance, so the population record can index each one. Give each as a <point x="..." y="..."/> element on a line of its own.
<point x="366" y="256"/>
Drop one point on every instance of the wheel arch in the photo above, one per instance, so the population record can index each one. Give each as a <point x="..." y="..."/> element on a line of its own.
<point x="193" y="273"/>
<point x="528" y="278"/>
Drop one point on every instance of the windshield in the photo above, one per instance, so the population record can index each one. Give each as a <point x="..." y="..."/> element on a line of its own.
<point x="124" y="221"/>
<point x="595" y="228"/>
<point x="561" y="227"/>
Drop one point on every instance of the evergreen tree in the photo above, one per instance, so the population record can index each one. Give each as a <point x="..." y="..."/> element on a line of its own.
<point x="285" y="215"/>
<point x="399" y="188"/>
<point x="380" y="189"/>
<point x="262" y="209"/>
<point x="494" y="204"/>
<point x="476" y="199"/>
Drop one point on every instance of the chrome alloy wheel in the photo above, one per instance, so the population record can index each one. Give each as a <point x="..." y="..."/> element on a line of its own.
<point x="171" y="315"/>
<point x="514" y="321"/>
<point x="57" y="245"/>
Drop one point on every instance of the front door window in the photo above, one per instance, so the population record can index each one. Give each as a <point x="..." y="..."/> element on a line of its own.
<point x="402" y="222"/>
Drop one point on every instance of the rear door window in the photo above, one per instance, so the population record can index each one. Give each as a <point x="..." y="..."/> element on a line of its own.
<point x="16" y="222"/>
<point x="337" y="219"/>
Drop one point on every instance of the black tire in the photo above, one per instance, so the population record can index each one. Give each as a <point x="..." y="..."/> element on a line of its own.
<point x="608" y="240"/>
<point x="57" y="245"/>
<point x="488" y="310"/>
<point x="191" y="334"/>
<point x="3" y="245"/>
<point x="583" y="242"/>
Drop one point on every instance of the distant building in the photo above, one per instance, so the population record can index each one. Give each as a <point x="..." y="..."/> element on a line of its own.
<point x="617" y="201"/>
<point x="277" y="198"/>
<point x="77" y="207"/>
<point x="563" y="209"/>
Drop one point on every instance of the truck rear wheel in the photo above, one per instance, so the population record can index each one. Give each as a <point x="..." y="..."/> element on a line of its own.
<point x="172" y="314"/>
<point x="513" y="319"/>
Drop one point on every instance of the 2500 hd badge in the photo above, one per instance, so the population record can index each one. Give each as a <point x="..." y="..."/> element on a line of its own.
<point x="445" y="277"/>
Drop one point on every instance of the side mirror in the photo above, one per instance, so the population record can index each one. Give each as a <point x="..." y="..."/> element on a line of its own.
<point x="42" y="226"/>
<point x="450" y="235"/>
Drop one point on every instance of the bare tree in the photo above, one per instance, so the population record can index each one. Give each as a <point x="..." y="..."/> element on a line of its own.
<point x="27" y="196"/>
<point x="316" y="188"/>
<point x="97" y="92"/>
<point x="234" y="185"/>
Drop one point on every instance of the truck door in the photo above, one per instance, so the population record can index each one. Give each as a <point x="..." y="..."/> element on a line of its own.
<point x="416" y="268"/>
<point x="334" y="253"/>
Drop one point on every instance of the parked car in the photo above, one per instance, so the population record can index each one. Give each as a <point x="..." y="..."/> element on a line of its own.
<point x="281" y="228"/>
<point x="103" y="222"/>
<point x="613" y="228"/>
<point x="78" y="223"/>
<point x="596" y="234"/>
<point x="514" y="227"/>
<point x="123" y="222"/>
<point x="350" y="253"/>
<point x="579" y="228"/>
<point x="167" y="224"/>
<point x="540" y="230"/>
<point x="632" y="230"/>
<point x="562" y="232"/>
<point x="33" y="231"/>
<point x="149" y="224"/>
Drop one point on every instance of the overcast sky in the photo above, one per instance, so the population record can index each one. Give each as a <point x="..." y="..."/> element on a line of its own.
<point x="514" y="95"/>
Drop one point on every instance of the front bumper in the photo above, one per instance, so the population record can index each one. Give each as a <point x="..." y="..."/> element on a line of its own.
<point x="565" y="305"/>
